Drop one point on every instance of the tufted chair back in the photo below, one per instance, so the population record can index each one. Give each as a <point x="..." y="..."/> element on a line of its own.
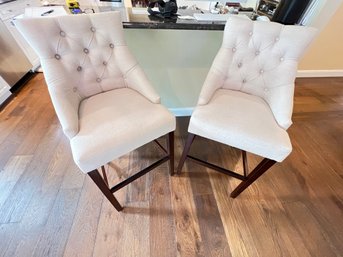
<point x="82" y="55"/>
<point x="259" y="58"/>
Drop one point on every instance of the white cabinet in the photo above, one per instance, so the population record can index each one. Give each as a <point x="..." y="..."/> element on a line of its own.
<point x="28" y="51"/>
<point x="8" y="12"/>
<point x="4" y="90"/>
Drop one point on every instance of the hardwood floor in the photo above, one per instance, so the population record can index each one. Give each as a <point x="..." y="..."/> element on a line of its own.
<point x="49" y="208"/>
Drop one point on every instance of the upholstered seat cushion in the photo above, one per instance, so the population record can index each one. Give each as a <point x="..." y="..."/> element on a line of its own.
<point x="114" y="123"/>
<point x="243" y="121"/>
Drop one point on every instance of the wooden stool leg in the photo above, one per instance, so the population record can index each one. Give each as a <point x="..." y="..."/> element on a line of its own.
<point x="98" y="180"/>
<point x="185" y="152"/>
<point x="170" y="142"/>
<point x="261" y="168"/>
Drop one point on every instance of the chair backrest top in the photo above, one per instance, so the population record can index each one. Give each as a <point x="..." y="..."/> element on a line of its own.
<point x="86" y="54"/>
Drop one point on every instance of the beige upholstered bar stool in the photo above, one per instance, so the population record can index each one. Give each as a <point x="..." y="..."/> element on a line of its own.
<point x="247" y="98"/>
<point x="103" y="100"/>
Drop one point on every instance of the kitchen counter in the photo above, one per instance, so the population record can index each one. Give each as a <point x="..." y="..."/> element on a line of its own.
<point x="146" y="21"/>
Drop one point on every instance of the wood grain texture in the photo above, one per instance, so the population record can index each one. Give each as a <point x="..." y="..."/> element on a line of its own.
<point x="49" y="208"/>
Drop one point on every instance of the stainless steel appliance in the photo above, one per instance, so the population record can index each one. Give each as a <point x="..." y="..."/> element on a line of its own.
<point x="13" y="62"/>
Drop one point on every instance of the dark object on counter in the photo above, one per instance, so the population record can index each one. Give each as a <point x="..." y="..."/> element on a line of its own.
<point x="166" y="9"/>
<point x="5" y="1"/>
<point x="290" y="11"/>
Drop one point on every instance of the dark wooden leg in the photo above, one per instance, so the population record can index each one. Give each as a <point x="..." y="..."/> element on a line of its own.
<point x="170" y="143"/>
<point x="245" y="163"/>
<point x="185" y="152"/>
<point x="104" y="175"/>
<point x="98" y="180"/>
<point x="261" y="168"/>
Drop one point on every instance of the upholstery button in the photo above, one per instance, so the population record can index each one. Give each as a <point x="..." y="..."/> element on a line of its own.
<point x="257" y="52"/>
<point x="104" y="63"/>
<point x="111" y="45"/>
<point x="282" y="59"/>
<point x="244" y="81"/>
<point x="234" y="49"/>
<point x="62" y="34"/>
<point x="98" y="80"/>
<point x="261" y="71"/>
<point x="85" y="50"/>
<point x="79" y="68"/>
<point x="93" y="29"/>
<point x="57" y="56"/>
<point x="74" y="89"/>
<point x="277" y="39"/>
<point x="239" y="65"/>
<point x="266" y="89"/>
<point x="250" y="33"/>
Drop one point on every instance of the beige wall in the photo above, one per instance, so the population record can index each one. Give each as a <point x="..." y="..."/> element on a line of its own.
<point x="326" y="52"/>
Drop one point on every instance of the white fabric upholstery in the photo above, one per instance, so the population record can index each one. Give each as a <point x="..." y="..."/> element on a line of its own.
<point x="83" y="55"/>
<point x="259" y="58"/>
<point x="247" y="98"/>
<point x="115" y="123"/>
<point x="243" y="121"/>
<point x="105" y="103"/>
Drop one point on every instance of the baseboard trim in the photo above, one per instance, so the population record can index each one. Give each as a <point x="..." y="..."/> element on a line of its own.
<point x="319" y="73"/>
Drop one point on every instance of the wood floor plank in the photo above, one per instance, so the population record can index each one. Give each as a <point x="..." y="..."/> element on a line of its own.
<point x="54" y="237"/>
<point x="82" y="236"/>
<point x="188" y="237"/>
<point x="211" y="227"/>
<point x="41" y="204"/>
<point x="32" y="111"/>
<point x="162" y="226"/>
<point x="11" y="173"/>
<point x="15" y="206"/>
<point x="308" y="227"/>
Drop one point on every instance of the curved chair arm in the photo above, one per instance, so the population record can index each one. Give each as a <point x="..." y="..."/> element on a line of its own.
<point x="66" y="107"/>
<point x="213" y="81"/>
<point x="64" y="95"/>
<point x="137" y="80"/>
<point x="133" y="74"/>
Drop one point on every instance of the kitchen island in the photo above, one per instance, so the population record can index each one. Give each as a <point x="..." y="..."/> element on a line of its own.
<point x="176" y="55"/>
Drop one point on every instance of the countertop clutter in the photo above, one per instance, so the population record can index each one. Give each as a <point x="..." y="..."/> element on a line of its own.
<point x="146" y="21"/>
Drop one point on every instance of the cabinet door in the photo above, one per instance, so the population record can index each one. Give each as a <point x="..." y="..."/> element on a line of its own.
<point x="29" y="52"/>
<point x="4" y="90"/>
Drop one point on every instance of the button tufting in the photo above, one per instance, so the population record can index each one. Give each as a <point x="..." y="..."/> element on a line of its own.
<point x="104" y="63"/>
<point x="74" y="89"/>
<point x="277" y="39"/>
<point x="93" y="29"/>
<point x="257" y="52"/>
<point x="261" y="71"/>
<point x="250" y="33"/>
<point x="85" y="50"/>
<point x="111" y="45"/>
<point x="239" y="65"/>
<point x="244" y="81"/>
<point x="57" y="56"/>
<point x="62" y="34"/>
<point x="98" y="80"/>
<point x="266" y="89"/>
<point x="79" y="68"/>
<point x="234" y="49"/>
<point x="282" y="59"/>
